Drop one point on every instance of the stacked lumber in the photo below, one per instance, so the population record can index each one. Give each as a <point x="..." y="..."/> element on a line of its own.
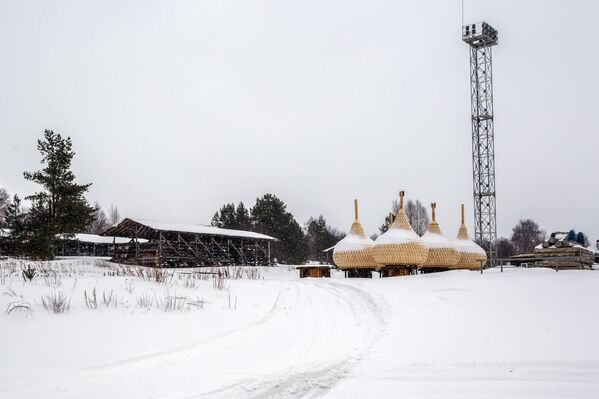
<point x="567" y="256"/>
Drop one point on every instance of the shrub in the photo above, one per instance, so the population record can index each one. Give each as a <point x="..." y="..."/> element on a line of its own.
<point x="56" y="302"/>
<point x="28" y="273"/>
<point x="91" y="301"/>
<point x="19" y="306"/>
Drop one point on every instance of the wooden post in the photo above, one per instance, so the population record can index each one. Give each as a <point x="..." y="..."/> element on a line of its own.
<point x="356" y="209"/>
<point x="114" y="247"/>
<point x="463" y="214"/>
<point x="269" y="262"/>
<point x="401" y="194"/>
<point x="160" y="248"/>
<point x="136" y="246"/>
<point x="433" y="207"/>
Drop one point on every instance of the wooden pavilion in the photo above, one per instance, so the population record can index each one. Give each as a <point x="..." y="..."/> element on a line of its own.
<point x="189" y="245"/>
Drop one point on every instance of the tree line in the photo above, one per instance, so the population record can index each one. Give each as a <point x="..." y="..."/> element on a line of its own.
<point x="270" y="216"/>
<point x="58" y="209"/>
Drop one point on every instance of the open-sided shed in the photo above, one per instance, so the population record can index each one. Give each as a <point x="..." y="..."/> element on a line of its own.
<point x="90" y="245"/>
<point x="189" y="245"/>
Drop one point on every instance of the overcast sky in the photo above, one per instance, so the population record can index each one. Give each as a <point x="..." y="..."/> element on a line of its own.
<point x="176" y="107"/>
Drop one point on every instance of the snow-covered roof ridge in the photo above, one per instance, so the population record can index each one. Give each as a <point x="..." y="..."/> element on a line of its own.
<point x="400" y="245"/>
<point x="96" y="239"/>
<point x="199" y="229"/>
<point x="356" y="239"/>
<point x="355" y="249"/>
<point x="463" y="243"/>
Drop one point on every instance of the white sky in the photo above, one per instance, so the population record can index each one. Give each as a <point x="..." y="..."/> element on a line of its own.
<point x="176" y="107"/>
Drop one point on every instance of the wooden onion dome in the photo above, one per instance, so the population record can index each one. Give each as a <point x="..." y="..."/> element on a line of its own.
<point x="471" y="254"/>
<point x="400" y="245"/>
<point x="354" y="251"/>
<point x="441" y="251"/>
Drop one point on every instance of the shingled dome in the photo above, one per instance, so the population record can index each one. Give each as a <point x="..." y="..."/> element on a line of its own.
<point x="400" y="245"/>
<point x="441" y="251"/>
<point x="471" y="254"/>
<point x="354" y="251"/>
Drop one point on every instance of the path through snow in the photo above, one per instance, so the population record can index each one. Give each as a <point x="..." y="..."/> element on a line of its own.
<point x="315" y="331"/>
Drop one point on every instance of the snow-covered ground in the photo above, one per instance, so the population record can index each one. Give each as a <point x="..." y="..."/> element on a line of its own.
<point x="527" y="333"/>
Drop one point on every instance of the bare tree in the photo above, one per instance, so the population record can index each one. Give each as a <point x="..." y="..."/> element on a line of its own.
<point x="526" y="235"/>
<point x="418" y="217"/>
<point x="100" y="223"/>
<point x="4" y="202"/>
<point x="114" y="216"/>
<point x="505" y="248"/>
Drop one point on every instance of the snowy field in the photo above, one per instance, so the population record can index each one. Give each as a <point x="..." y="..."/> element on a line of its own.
<point x="262" y="332"/>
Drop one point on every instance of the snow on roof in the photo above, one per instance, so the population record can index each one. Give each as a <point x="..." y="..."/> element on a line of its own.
<point x="201" y="229"/>
<point x="468" y="246"/>
<point x="96" y="239"/>
<point x="353" y="242"/>
<point x="330" y="249"/>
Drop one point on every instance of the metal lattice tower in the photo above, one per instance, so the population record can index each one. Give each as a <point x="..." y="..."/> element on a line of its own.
<point x="482" y="37"/>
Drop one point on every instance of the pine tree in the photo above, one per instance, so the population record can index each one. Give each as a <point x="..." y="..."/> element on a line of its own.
<point x="225" y="217"/>
<point x="15" y="220"/>
<point x="60" y="208"/>
<point x="582" y="239"/>
<point x="571" y="236"/>
<point x="269" y="216"/>
<point x="320" y="236"/>
<point x="40" y="233"/>
<point x="242" y="218"/>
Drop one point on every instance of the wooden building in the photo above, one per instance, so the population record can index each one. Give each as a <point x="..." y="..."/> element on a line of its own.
<point x="91" y="245"/>
<point x="314" y="271"/>
<point x="189" y="245"/>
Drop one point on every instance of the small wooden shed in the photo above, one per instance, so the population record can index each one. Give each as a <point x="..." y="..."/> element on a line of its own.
<point x="316" y="271"/>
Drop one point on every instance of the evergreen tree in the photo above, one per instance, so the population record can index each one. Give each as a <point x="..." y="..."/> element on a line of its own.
<point x="582" y="239"/>
<point x="15" y="220"/>
<point x="40" y="232"/>
<point x="269" y="216"/>
<point x="242" y="218"/>
<point x="225" y="217"/>
<point x="319" y="237"/>
<point x="571" y="236"/>
<point x="60" y="208"/>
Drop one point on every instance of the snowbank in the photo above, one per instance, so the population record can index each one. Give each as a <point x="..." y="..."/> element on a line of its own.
<point x="522" y="333"/>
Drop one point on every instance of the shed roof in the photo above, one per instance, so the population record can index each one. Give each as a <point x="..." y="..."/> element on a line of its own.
<point x="148" y="228"/>
<point x="96" y="239"/>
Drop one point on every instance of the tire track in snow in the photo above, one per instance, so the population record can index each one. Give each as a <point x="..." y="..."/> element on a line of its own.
<point x="193" y="344"/>
<point x="312" y="379"/>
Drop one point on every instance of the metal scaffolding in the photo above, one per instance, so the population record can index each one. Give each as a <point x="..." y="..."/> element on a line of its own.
<point x="481" y="37"/>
